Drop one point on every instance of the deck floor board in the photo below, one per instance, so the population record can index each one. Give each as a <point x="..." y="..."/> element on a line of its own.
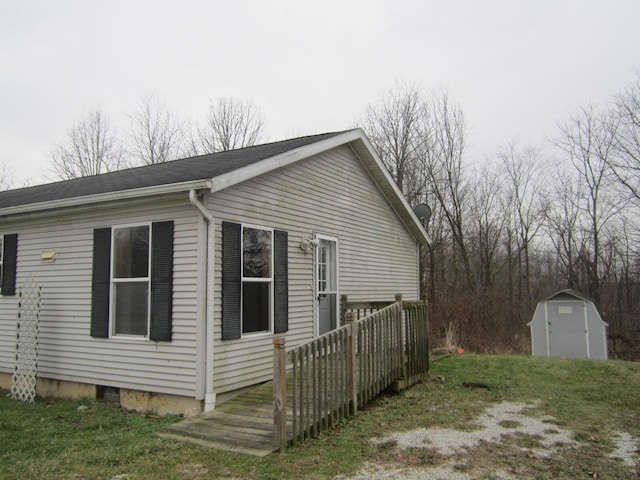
<point x="243" y="424"/>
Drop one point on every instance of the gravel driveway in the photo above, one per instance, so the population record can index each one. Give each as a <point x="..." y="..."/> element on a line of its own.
<point x="506" y="426"/>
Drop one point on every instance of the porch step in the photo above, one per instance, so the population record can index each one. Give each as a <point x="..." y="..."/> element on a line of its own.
<point x="260" y="451"/>
<point x="234" y="433"/>
<point x="244" y="424"/>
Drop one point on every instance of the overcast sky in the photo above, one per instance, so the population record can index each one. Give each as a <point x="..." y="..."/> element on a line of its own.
<point x="515" y="67"/>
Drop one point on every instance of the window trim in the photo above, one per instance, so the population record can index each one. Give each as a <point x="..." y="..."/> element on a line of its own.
<point x="113" y="281"/>
<point x="270" y="280"/>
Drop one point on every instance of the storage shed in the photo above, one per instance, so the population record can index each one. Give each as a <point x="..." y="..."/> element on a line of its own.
<point x="568" y="324"/>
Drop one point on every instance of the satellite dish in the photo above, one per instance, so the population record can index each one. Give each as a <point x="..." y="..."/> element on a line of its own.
<point x="423" y="212"/>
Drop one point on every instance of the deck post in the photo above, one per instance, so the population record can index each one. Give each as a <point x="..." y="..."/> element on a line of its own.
<point x="343" y="308"/>
<point x="279" y="394"/>
<point x="425" y="347"/>
<point x="352" y="366"/>
<point x="405" y="340"/>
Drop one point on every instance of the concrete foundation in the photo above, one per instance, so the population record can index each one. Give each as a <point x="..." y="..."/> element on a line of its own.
<point x="59" y="388"/>
<point x="159" y="403"/>
<point x="132" y="400"/>
<point x="5" y="381"/>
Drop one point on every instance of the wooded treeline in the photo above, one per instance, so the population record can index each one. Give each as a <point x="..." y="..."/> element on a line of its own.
<point x="510" y="230"/>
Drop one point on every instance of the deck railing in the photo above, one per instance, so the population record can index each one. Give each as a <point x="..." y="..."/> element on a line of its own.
<point x="318" y="383"/>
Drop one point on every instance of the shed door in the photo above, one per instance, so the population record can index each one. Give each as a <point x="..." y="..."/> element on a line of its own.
<point x="568" y="329"/>
<point x="327" y="285"/>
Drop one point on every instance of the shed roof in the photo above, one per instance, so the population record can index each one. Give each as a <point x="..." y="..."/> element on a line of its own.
<point x="572" y="293"/>
<point x="212" y="172"/>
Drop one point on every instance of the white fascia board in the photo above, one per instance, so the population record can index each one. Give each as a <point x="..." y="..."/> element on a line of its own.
<point x="106" y="197"/>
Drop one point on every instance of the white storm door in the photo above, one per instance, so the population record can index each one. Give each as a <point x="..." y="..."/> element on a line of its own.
<point x="326" y="270"/>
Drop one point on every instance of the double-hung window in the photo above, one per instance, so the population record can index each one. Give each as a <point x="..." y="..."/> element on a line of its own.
<point x="130" y="280"/>
<point x="257" y="279"/>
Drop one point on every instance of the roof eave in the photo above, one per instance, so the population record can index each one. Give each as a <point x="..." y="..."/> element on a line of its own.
<point x="107" y="197"/>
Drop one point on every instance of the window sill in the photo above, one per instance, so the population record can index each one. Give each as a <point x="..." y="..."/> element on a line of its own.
<point x="252" y="335"/>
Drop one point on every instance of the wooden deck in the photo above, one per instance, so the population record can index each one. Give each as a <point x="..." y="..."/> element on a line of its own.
<point x="327" y="379"/>
<point x="244" y="424"/>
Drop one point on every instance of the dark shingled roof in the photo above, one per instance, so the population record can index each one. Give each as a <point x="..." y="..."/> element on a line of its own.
<point x="176" y="171"/>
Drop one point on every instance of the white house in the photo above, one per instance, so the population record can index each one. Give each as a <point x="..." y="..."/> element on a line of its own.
<point x="165" y="284"/>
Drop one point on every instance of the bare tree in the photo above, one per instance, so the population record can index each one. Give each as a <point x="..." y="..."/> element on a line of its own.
<point x="487" y="223"/>
<point x="395" y="126"/>
<point x="6" y="177"/>
<point x="588" y="140"/>
<point x="444" y="170"/>
<point x="91" y="148"/>
<point x="230" y="124"/>
<point x="522" y="169"/>
<point x="156" y="134"/>
<point x="626" y="133"/>
<point x="562" y="222"/>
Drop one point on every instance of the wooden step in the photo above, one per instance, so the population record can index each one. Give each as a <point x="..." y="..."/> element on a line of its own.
<point x="261" y="451"/>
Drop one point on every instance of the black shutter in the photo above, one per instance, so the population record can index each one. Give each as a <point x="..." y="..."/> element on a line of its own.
<point x="100" y="282"/>
<point x="161" y="280"/>
<point x="9" y="262"/>
<point x="281" y="282"/>
<point x="231" y="281"/>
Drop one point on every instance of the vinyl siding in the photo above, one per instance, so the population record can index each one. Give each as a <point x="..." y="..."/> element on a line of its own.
<point x="330" y="194"/>
<point x="66" y="349"/>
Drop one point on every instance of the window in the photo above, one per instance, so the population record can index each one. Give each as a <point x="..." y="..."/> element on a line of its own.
<point x="254" y="280"/>
<point x="8" y="261"/>
<point x="322" y="269"/>
<point x="257" y="279"/>
<point x="132" y="281"/>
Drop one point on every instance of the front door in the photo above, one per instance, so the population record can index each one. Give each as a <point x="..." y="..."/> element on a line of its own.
<point x="327" y="284"/>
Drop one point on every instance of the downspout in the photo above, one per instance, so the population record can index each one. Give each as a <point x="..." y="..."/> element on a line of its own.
<point x="209" y="395"/>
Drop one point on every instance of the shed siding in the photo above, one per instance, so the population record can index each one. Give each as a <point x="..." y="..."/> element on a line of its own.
<point x="67" y="351"/>
<point x="330" y="194"/>
<point x="597" y="334"/>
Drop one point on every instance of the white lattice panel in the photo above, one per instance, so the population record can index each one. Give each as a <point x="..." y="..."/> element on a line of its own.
<point x="23" y="385"/>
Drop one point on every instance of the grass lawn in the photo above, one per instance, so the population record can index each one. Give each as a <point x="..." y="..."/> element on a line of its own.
<point x="52" y="439"/>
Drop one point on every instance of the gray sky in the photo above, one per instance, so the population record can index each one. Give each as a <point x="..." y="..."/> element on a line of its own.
<point x="516" y="67"/>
